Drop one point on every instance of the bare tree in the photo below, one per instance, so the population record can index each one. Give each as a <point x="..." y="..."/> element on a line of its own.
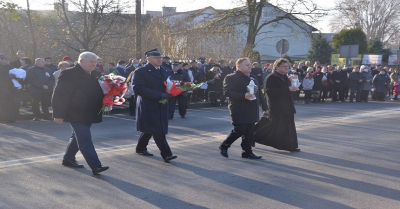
<point x="91" y="24"/>
<point x="256" y="14"/>
<point x="377" y="18"/>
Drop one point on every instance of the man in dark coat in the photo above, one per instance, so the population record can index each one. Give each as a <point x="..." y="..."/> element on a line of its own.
<point x="41" y="80"/>
<point x="166" y="63"/>
<point x="77" y="99"/>
<point x="243" y="108"/>
<point x="356" y="80"/>
<point x="151" y="115"/>
<point x="178" y="75"/>
<point x="17" y="63"/>
<point x="7" y="90"/>
<point x="280" y="133"/>
<point x="339" y="78"/>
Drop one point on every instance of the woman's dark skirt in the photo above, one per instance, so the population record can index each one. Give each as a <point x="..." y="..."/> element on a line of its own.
<point x="277" y="131"/>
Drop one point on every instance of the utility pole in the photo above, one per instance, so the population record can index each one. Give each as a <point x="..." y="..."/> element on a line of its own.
<point x="28" y="11"/>
<point x="138" y="27"/>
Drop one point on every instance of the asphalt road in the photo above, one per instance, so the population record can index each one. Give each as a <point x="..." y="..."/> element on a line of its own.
<point x="349" y="159"/>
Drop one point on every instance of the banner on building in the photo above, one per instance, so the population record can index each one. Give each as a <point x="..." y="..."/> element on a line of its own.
<point x="336" y="60"/>
<point x="371" y="59"/>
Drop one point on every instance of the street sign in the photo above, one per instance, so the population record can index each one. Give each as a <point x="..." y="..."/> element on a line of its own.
<point x="282" y="46"/>
<point x="347" y="51"/>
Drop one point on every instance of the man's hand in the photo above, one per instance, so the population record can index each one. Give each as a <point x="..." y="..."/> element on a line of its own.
<point x="58" y="120"/>
<point x="337" y="81"/>
<point x="266" y="112"/>
<point x="166" y="96"/>
<point x="249" y="96"/>
<point x="45" y="87"/>
<point x="293" y="88"/>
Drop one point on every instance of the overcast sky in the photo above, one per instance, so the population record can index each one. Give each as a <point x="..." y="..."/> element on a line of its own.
<point x="181" y="6"/>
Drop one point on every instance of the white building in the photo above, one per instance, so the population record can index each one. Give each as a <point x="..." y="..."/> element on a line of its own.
<point x="195" y="33"/>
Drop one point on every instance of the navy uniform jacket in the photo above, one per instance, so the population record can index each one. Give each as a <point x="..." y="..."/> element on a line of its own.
<point x="243" y="111"/>
<point x="148" y="84"/>
<point x="78" y="97"/>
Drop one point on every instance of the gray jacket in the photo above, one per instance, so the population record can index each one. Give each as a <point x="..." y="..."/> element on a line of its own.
<point x="308" y="84"/>
<point x="367" y="85"/>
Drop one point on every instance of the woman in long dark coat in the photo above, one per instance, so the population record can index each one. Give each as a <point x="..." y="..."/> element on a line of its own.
<point x="280" y="132"/>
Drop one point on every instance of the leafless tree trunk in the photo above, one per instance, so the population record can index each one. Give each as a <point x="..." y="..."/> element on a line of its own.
<point x="34" y="47"/>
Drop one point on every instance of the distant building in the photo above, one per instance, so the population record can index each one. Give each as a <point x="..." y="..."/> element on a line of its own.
<point x="195" y="33"/>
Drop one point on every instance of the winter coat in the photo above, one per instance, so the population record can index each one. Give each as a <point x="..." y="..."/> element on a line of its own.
<point x="318" y="75"/>
<point x="39" y="76"/>
<point x="367" y="85"/>
<point x="308" y="84"/>
<point x="381" y="82"/>
<point x="243" y="111"/>
<point x="355" y="78"/>
<point x="148" y="84"/>
<point x="78" y="97"/>
<point x="214" y="84"/>
<point x="279" y="97"/>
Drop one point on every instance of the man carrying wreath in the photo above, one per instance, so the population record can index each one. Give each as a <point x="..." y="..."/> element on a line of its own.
<point x="151" y="115"/>
<point x="77" y="99"/>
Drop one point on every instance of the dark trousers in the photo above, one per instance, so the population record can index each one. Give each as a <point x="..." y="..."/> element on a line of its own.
<point x="357" y="91"/>
<point x="295" y="95"/>
<point x="307" y="95"/>
<point x="132" y="105"/>
<point x="213" y="98"/>
<point x="222" y="98"/>
<point x="336" y="89"/>
<point x="364" y="95"/>
<point x="81" y="139"/>
<point x="380" y="96"/>
<point x="182" y="104"/>
<point x="241" y="130"/>
<point x="324" y="93"/>
<point x="160" y="140"/>
<point x="43" y="98"/>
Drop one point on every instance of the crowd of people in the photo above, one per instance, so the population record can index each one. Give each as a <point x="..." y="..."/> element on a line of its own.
<point x="34" y="81"/>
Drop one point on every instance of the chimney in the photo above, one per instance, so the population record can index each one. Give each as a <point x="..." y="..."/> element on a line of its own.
<point x="168" y="10"/>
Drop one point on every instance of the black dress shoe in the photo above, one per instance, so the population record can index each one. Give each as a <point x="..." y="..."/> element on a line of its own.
<point x="169" y="158"/>
<point x="250" y="155"/>
<point x="72" y="163"/>
<point x="294" y="150"/>
<point x="224" y="150"/>
<point x="144" y="152"/>
<point x="99" y="169"/>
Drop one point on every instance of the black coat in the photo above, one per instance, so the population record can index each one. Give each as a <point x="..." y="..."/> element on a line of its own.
<point x="16" y="63"/>
<point x="39" y="76"/>
<point x="78" y="97"/>
<point x="279" y="97"/>
<point x="381" y="82"/>
<point x="180" y="75"/>
<point x="214" y="84"/>
<point x="258" y="71"/>
<point x="317" y="81"/>
<point x="355" y="78"/>
<point x="148" y="84"/>
<point x="7" y="94"/>
<point x="340" y="76"/>
<point x="243" y="111"/>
